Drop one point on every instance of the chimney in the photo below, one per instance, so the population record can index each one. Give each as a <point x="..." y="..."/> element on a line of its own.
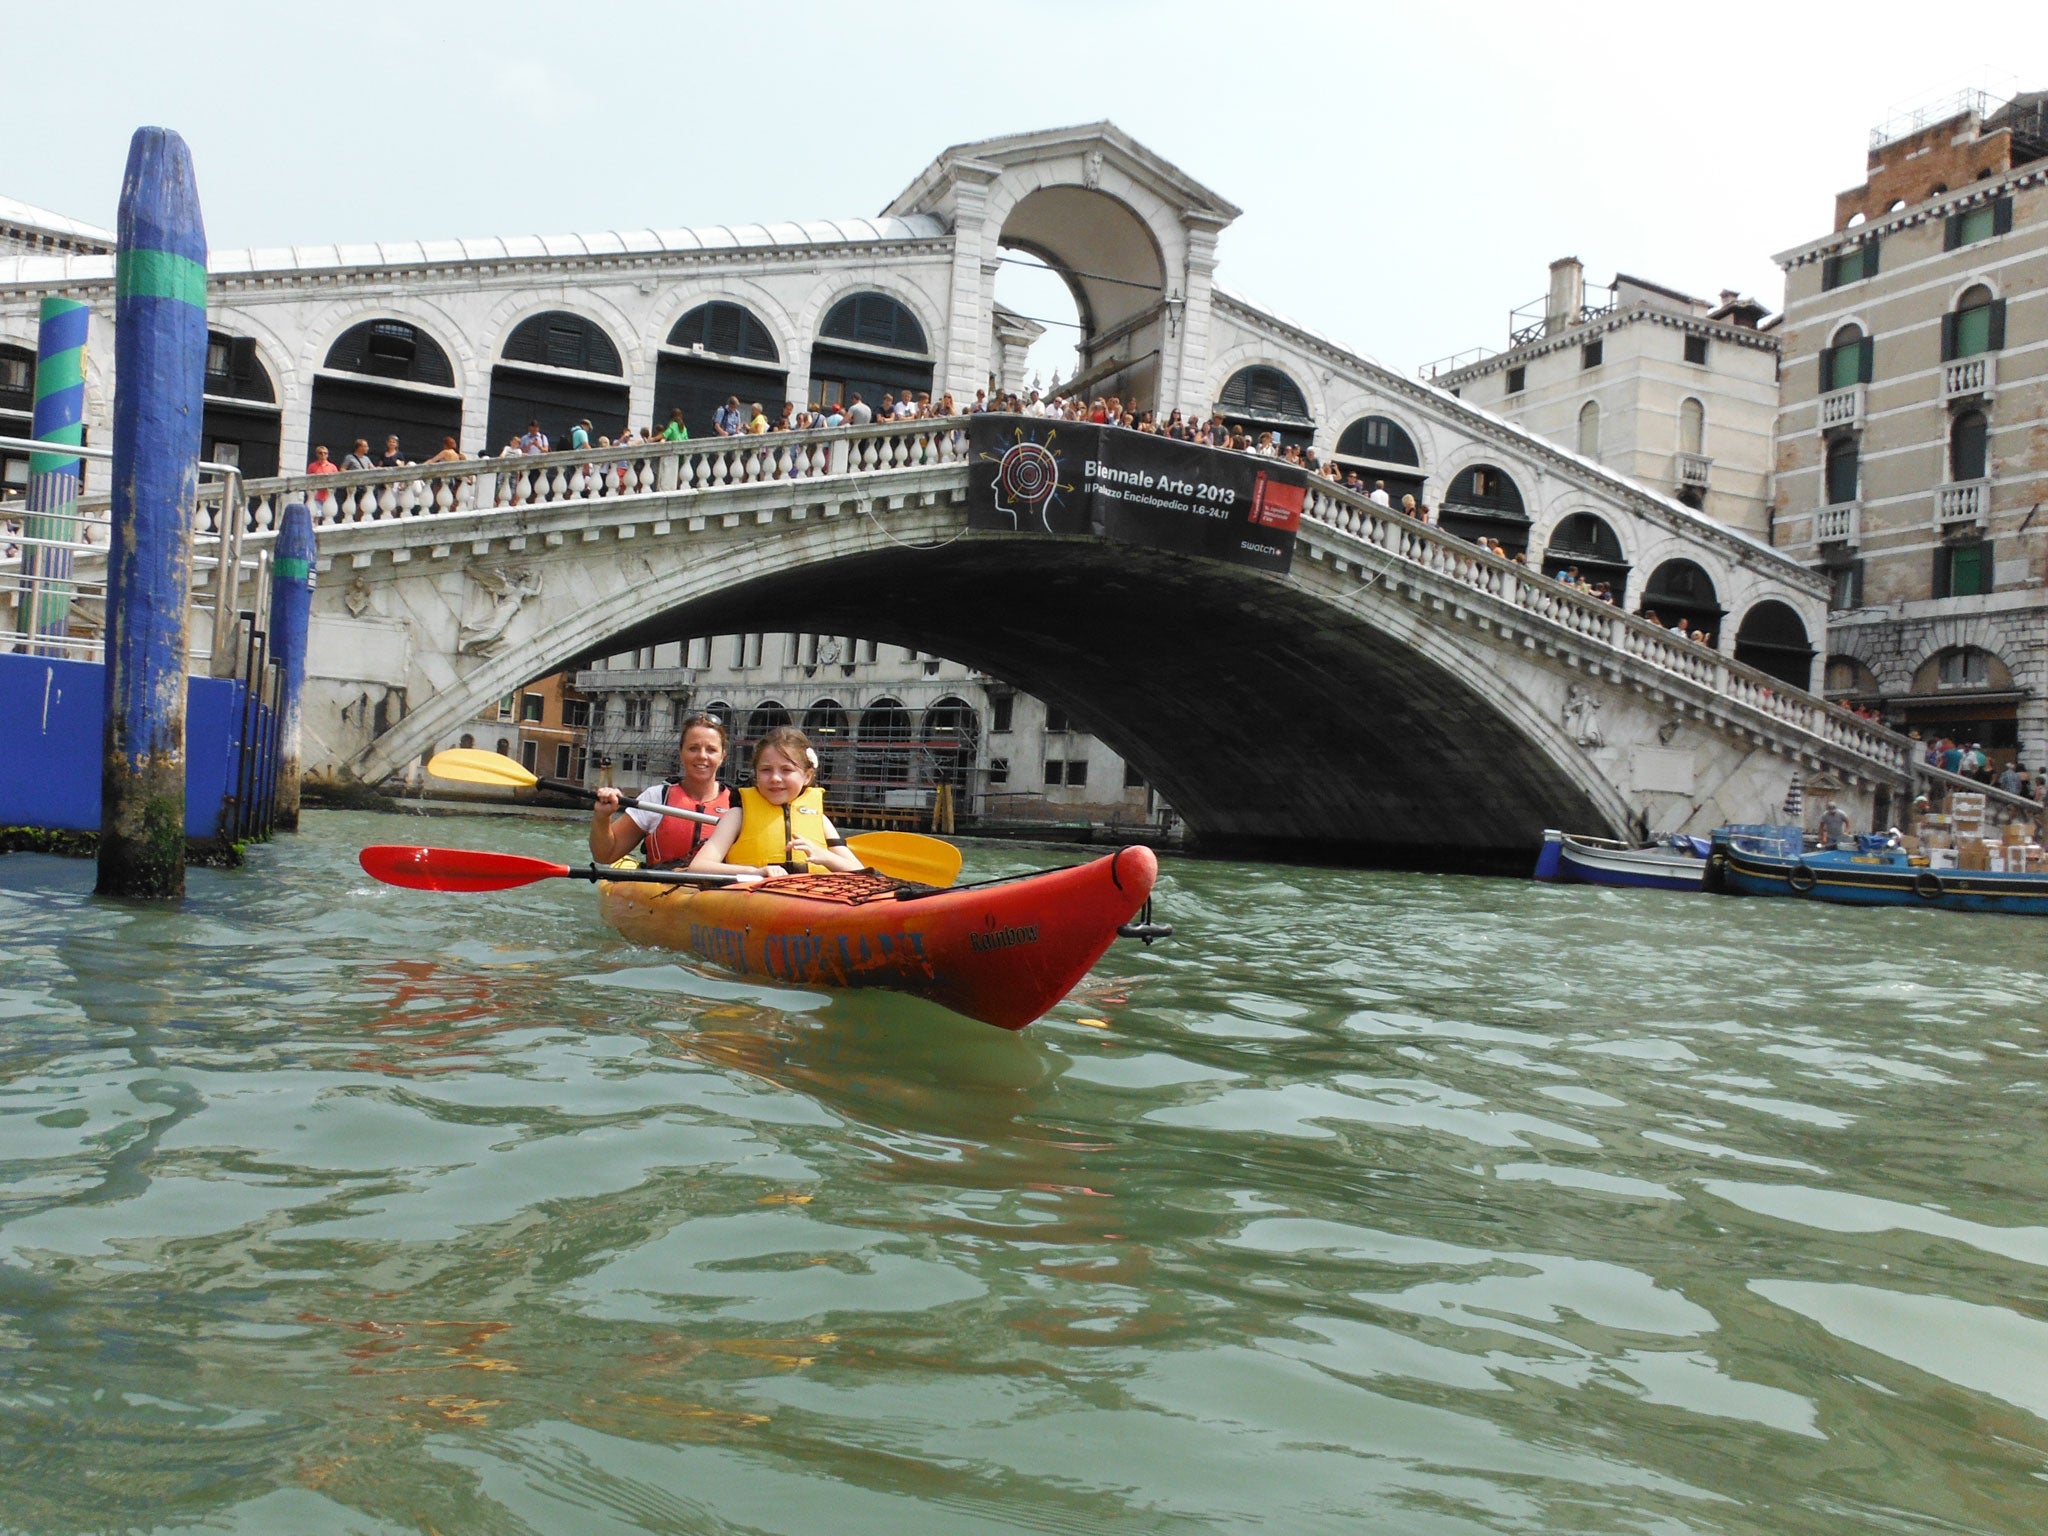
<point x="1567" y="295"/>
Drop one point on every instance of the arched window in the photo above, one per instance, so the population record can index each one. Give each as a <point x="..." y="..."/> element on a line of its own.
<point x="731" y="330"/>
<point x="1975" y="326"/>
<point x="17" y="415"/>
<point x="240" y="422"/>
<point x="234" y="371"/>
<point x="1380" y="439"/>
<point x="886" y="720"/>
<point x="1772" y="639"/>
<point x="1970" y="668"/>
<point x="1969" y="446"/>
<point x="388" y="361"/>
<point x="1842" y="466"/>
<point x="1483" y="502"/>
<point x="1681" y="589"/>
<point x="869" y="345"/>
<point x="1589" y="430"/>
<point x="884" y="760"/>
<point x="1846" y="360"/>
<point x="826" y="721"/>
<point x="1692" y="426"/>
<point x="392" y="349"/>
<point x="559" y="339"/>
<point x="763" y="718"/>
<point x="1584" y="543"/>
<point x="1847" y="676"/>
<point x="874" y="320"/>
<point x="826" y="724"/>
<point x="952" y="730"/>
<point x="1264" y="395"/>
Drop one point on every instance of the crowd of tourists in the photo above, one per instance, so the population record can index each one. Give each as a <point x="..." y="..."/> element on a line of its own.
<point x="1973" y="762"/>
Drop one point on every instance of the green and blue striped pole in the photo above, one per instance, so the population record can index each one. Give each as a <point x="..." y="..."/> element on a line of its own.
<point x="291" y="615"/>
<point x="159" y="375"/>
<point x="52" y="511"/>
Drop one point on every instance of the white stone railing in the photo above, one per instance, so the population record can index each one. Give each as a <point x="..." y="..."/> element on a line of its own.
<point x="1969" y="376"/>
<point x="1960" y="502"/>
<point x="1694" y="469"/>
<point x="1842" y="408"/>
<point x="1419" y="544"/>
<point x="515" y="484"/>
<point x="1841" y="523"/>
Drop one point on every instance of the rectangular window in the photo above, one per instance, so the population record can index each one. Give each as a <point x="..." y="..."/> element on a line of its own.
<point x="1967" y="228"/>
<point x="999" y="770"/>
<point x="505" y="707"/>
<point x="1132" y="778"/>
<point x="531" y="706"/>
<point x="1077" y="770"/>
<point x="1850" y="266"/>
<point x="1591" y="353"/>
<point x="562" y="761"/>
<point x="1055" y="771"/>
<point x="1056" y="719"/>
<point x="576" y="713"/>
<point x="1845" y="585"/>
<point x="1518" y="380"/>
<point x="999" y="712"/>
<point x="1850" y="363"/>
<point x="639" y="714"/>
<point x="1696" y="350"/>
<point x="529" y="755"/>
<point x="1973" y="331"/>
<point x="1966" y="668"/>
<point x="1963" y="570"/>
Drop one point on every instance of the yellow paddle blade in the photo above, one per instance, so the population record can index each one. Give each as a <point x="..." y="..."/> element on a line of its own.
<point x="908" y="856"/>
<point x="472" y="765"/>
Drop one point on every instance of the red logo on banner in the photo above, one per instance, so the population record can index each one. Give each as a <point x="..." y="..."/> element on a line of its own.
<point x="1277" y="506"/>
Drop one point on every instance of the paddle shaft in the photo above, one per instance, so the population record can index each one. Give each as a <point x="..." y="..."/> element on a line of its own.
<point x="589" y="797"/>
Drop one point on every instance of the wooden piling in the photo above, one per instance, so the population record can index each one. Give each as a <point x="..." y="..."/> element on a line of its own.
<point x="160" y="374"/>
<point x="291" y="612"/>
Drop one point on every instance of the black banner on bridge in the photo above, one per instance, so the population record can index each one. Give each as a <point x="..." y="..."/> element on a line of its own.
<point x="1033" y="475"/>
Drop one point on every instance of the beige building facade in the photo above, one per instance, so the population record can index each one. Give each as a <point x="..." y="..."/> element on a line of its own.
<point x="1677" y="393"/>
<point x="1912" y="457"/>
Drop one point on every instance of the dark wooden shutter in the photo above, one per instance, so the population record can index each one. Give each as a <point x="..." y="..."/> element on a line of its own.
<point x="1827" y="369"/>
<point x="1948" y="337"/>
<point x="1952" y="232"/>
<point x="2001" y="216"/>
<point x="1866" y="363"/>
<point x="1870" y="256"/>
<point x="1996" y="342"/>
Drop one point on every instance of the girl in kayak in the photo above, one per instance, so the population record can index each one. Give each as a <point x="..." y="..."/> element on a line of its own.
<point x="780" y="822"/>
<point x="671" y="841"/>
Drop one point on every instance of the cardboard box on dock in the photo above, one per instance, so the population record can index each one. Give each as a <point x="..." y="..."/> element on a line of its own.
<point x="1941" y="858"/>
<point x="1973" y="855"/>
<point x="2017" y="832"/>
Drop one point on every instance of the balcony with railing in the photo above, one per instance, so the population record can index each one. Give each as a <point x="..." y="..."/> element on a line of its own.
<point x="1962" y="503"/>
<point x="1693" y="471"/>
<point x="1969" y="377"/>
<point x="1536" y="319"/>
<point x="1843" y="408"/>
<point x="1841" y="523"/>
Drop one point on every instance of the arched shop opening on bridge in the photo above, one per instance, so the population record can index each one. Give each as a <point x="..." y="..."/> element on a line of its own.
<point x="1484" y="502"/>
<point x="717" y="352"/>
<point x="1679" y="589"/>
<point x="386" y="378"/>
<point x="17" y="416"/>
<point x="1772" y="639"/>
<point x="557" y="369"/>
<point x="240" y="422"/>
<point x="1966" y="693"/>
<point x="870" y="345"/>
<point x="1260" y="399"/>
<point x="1110" y="263"/>
<point x="1382" y="452"/>
<point x="1586" y="541"/>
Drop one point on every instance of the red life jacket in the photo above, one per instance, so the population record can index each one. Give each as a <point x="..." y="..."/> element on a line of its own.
<point x="674" y="841"/>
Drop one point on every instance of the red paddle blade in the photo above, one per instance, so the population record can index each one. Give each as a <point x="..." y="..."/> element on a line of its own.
<point x="455" y="869"/>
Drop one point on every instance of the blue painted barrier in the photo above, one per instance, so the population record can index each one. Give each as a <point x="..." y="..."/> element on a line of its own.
<point x="52" y="715"/>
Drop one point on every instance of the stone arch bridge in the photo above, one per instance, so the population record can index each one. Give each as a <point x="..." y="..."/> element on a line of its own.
<point x="1399" y="694"/>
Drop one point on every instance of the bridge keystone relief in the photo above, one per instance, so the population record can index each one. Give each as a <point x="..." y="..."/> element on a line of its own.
<point x="1435" y="699"/>
<point x="1397" y="690"/>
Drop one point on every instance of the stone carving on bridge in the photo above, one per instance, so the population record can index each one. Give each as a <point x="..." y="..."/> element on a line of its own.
<point x="356" y="597"/>
<point x="1091" y="169"/>
<point x="508" y="588"/>
<point x="1582" y="717"/>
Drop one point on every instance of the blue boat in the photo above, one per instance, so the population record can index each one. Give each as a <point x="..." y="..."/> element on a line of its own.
<point x="1873" y="874"/>
<point x="1678" y="863"/>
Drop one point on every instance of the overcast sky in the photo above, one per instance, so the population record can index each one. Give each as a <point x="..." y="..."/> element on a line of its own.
<point x="1407" y="173"/>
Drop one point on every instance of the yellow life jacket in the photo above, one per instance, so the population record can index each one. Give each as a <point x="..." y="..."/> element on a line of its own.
<point x="766" y="828"/>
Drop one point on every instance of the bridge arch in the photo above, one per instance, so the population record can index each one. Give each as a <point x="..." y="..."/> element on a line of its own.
<point x="1075" y="621"/>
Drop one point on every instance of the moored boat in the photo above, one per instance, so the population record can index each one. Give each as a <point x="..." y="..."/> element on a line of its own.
<point x="1678" y="863"/>
<point x="1003" y="952"/>
<point x="1868" y="876"/>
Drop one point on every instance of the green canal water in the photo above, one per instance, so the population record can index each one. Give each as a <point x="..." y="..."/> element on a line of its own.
<point x="1382" y="1203"/>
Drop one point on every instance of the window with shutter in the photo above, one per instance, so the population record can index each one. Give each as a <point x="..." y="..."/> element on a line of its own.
<point x="729" y="329"/>
<point x="1841" y="470"/>
<point x="1968" y="446"/>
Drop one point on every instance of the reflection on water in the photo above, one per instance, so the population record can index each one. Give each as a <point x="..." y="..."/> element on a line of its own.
<point x="1368" y="1202"/>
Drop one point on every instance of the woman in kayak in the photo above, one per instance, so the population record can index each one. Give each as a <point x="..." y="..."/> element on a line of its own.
<point x="671" y="841"/>
<point x="780" y="822"/>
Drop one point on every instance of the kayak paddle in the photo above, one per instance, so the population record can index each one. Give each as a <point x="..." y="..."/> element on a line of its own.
<point x="899" y="855"/>
<point x="458" y="869"/>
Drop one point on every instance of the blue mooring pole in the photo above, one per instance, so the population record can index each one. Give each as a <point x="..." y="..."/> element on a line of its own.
<point x="159" y="374"/>
<point x="291" y="610"/>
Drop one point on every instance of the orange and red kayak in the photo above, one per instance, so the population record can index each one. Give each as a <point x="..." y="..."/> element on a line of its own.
<point x="1003" y="952"/>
